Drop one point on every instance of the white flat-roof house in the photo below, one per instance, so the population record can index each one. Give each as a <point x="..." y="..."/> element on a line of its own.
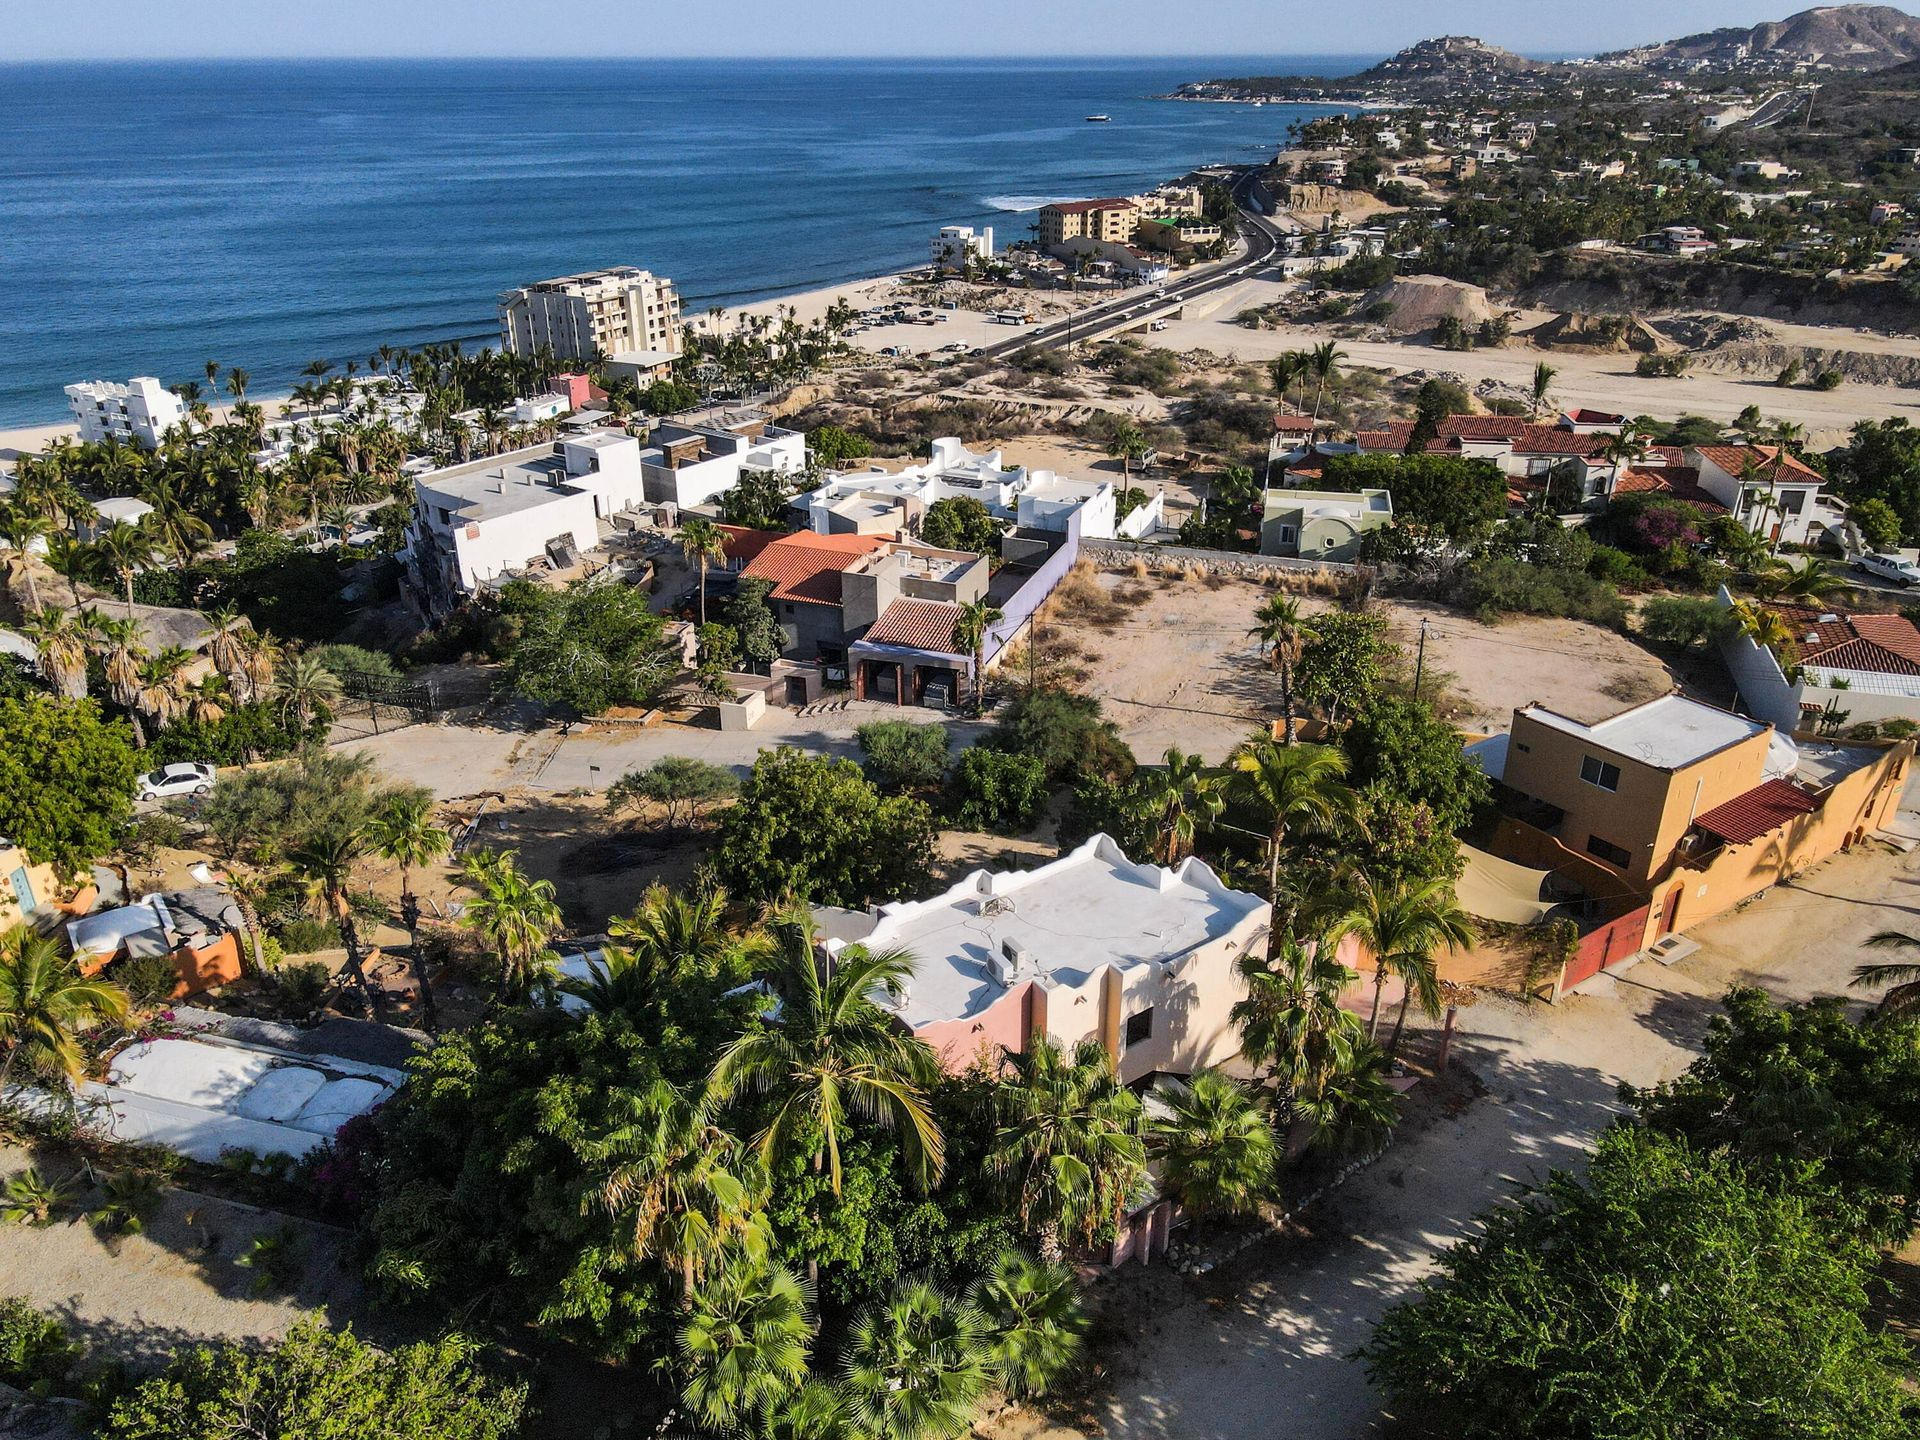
<point x="475" y="524"/>
<point x="957" y="246"/>
<point x="139" y="412"/>
<point x="879" y="502"/>
<point x="694" y="464"/>
<point x="1093" y="945"/>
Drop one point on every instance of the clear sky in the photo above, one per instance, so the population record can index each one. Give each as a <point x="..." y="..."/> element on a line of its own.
<point x="35" y="29"/>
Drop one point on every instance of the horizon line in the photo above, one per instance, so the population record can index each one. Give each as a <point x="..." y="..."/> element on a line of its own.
<point x="658" y="56"/>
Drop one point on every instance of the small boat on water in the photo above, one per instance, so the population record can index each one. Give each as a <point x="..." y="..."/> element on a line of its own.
<point x="1098" y="119"/>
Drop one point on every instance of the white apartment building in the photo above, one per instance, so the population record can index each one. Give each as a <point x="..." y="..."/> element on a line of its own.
<point x="475" y="524"/>
<point x="139" y="412"/>
<point x="956" y="246"/>
<point x="690" y="465"/>
<point x="878" y="502"/>
<point x="600" y="311"/>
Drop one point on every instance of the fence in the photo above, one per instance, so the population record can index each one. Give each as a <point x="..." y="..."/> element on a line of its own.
<point x="366" y="701"/>
<point x="1604" y="945"/>
<point x="1020" y="605"/>
<point x="1144" y="520"/>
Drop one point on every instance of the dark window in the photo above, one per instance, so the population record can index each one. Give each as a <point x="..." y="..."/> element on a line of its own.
<point x="1608" y="851"/>
<point x="1139" y="1027"/>
<point x="1599" y="772"/>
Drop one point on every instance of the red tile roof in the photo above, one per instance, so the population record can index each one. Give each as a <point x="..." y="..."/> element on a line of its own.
<point x="1733" y="459"/>
<point x="743" y="544"/>
<point x="1525" y="437"/>
<point x="1682" y="482"/>
<point x="1886" y="644"/>
<point x="917" y="625"/>
<point x="807" y="567"/>
<point x="1293" y="424"/>
<point x="1584" y="416"/>
<point x="1763" y="809"/>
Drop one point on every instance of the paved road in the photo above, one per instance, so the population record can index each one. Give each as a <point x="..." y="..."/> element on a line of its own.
<point x="1276" y="1363"/>
<point x="1262" y="237"/>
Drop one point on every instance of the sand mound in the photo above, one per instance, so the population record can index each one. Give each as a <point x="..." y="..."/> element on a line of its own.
<point x="1421" y="302"/>
<point x="1618" y="333"/>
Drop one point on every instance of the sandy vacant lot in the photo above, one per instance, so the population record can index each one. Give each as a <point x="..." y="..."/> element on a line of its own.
<point x="1180" y="668"/>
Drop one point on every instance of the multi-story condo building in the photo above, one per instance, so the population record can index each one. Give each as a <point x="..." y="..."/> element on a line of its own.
<point x="1111" y="220"/>
<point x="601" y="311"/>
<point x="139" y="412"/>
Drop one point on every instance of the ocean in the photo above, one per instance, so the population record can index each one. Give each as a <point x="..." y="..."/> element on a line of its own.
<point x="265" y="214"/>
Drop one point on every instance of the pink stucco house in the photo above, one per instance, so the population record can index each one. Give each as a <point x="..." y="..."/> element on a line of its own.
<point x="1140" y="957"/>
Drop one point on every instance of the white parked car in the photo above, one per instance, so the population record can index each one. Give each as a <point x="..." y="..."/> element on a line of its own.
<point x="1896" y="568"/>
<point x="185" y="778"/>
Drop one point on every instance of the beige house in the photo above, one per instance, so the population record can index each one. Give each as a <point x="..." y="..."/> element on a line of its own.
<point x="1141" y="958"/>
<point x="598" y="312"/>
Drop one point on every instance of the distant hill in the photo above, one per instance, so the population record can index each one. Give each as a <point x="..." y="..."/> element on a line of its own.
<point x="1452" y="56"/>
<point x="1847" y="37"/>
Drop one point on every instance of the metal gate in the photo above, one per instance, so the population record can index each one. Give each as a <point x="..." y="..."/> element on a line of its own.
<point x="374" y="704"/>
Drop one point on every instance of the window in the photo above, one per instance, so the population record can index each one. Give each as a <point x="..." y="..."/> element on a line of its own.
<point x="1608" y="851"/>
<point x="1139" y="1028"/>
<point x="1599" y="772"/>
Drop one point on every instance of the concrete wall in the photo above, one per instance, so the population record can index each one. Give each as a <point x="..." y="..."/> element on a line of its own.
<point x="1757" y="676"/>
<point x="1143" y="521"/>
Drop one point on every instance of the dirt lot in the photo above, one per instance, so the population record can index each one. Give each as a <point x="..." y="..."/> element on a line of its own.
<point x="1174" y="665"/>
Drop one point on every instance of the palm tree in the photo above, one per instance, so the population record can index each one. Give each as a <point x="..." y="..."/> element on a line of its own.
<point x="516" y="914"/>
<point x="834" y="1050"/>
<point x="1324" y="364"/>
<point x="1034" y="1321"/>
<point x="45" y="1004"/>
<point x="1067" y="1139"/>
<point x="121" y="649"/>
<point x="304" y="689"/>
<point x="1543" y="377"/>
<point x="325" y="861"/>
<point x="402" y="831"/>
<point x="162" y="693"/>
<point x="21" y="528"/>
<point x="702" y="543"/>
<point x="1182" y="799"/>
<point x="259" y="656"/>
<point x="1282" y="632"/>
<point x="1299" y="789"/>
<point x="1903" y="999"/>
<point x="1215" y="1144"/>
<point x="1403" y="923"/>
<point x="1355" y="1107"/>
<point x="237" y="383"/>
<point x="126" y="550"/>
<point x="1292" y="1021"/>
<point x="72" y="560"/>
<point x="745" y="1346"/>
<point x="1770" y="631"/>
<point x="684" y="1190"/>
<point x="1127" y="443"/>
<point x="224" y="646"/>
<point x="916" y="1365"/>
<point x="1286" y="369"/>
<point x="61" y="642"/>
<point x="970" y="628"/>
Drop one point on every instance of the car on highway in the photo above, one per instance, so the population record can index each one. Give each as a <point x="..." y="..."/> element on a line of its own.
<point x="169" y="781"/>
<point x="1896" y="569"/>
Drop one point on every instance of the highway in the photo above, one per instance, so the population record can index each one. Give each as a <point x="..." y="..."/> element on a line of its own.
<point x="1261" y="235"/>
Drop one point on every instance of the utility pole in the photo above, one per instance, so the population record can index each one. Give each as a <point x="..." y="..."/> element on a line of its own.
<point x="1420" y="660"/>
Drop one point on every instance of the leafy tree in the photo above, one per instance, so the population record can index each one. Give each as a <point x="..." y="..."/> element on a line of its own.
<point x="679" y="784"/>
<point x="1342" y="661"/>
<point x="831" y="446"/>
<point x="1882" y="462"/>
<point x="588" y="647"/>
<point x="816" y="828"/>
<point x="753" y="622"/>
<point x="901" y="755"/>
<point x="916" y="1364"/>
<point x="961" y="522"/>
<point x="1878" y="524"/>
<point x="260" y="813"/>
<point x="1436" y="494"/>
<point x="1663" y="1293"/>
<point x="347" y="661"/>
<point x="1068" y="1141"/>
<point x="320" y="1384"/>
<point x="66" y="781"/>
<point x="1812" y="1099"/>
<point x="744" y="1344"/>
<point x="1399" y="746"/>
<point x="1033" y="1319"/>
<point x="1215" y="1144"/>
<point x="1066" y="732"/>
<point x="45" y="1006"/>
<point x="995" y="790"/>
<point x="1685" y="621"/>
<point x="834" y="1050"/>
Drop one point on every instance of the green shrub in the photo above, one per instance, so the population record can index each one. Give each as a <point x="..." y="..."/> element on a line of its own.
<point x="148" y="978"/>
<point x="302" y="935"/>
<point x="350" y="660"/>
<point x="1684" y="620"/>
<point x="300" y="989"/>
<point x="995" y="790"/>
<point x="1828" y="380"/>
<point x="36" y="1353"/>
<point x="901" y="755"/>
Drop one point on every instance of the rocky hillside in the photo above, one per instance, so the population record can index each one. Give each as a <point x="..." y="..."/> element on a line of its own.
<point x="1453" y="57"/>
<point x="1847" y="37"/>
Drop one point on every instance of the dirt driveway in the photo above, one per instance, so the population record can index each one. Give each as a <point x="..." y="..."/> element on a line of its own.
<point x="1178" y="667"/>
<point x="1274" y="1358"/>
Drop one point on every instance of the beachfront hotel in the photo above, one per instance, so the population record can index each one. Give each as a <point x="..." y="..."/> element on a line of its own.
<point x="606" y="312"/>
<point x="139" y="412"/>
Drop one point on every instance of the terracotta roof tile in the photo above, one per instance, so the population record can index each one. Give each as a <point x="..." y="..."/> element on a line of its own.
<point x="1762" y="809"/>
<point x="917" y="625"/>
<point x="807" y="567"/>
<point x="1733" y="459"/>
<point x="1682" y="482"/>
<point x="1883" y="644"/>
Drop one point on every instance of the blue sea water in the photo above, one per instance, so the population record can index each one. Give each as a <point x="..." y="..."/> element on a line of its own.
<point x="264" y="214"/>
